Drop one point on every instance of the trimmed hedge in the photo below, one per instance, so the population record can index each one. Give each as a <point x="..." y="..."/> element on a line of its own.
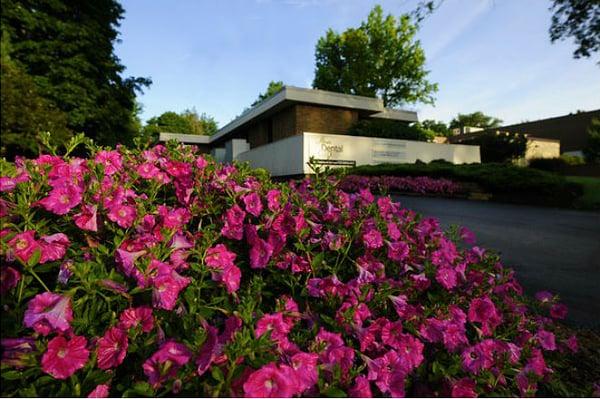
<point x="505" y="182"/>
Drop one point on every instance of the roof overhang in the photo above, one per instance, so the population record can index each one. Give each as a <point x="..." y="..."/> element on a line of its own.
<point x="185" y="138"/>
<point x="396" y="114"/>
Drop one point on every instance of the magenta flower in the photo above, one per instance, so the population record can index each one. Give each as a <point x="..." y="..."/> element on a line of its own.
<point x="123" y="215"/>
<point x="253" y="204"/>
<point x="273" y="200"/>
<point x="276" y="323"/>
<point x="62" y="199"/>
<point x="49" y="312"/>
<point x="398" y="251"/>
<point x="361" y="388"/>
<point x="467" y="236"/>
<point x="167" y="285"/>
<point x="305" y="370"/>
<point x="546" y="340"/>
<point x="64" y="357"/>
<point x="101" y="391"/>
<point x="9" y="277"/>
<point x="112" y="348"/>
<point x="141" y="316"/>
<point x="54" y="247"/>
<point x="174" y="218"/>
<point x="464" y="388"/>
<point x="234" y="223"/>
<point x="219" y="257"/>
<point x="230" y="277"/>
<point x="147" y="170"/>
<point x="373" y="239"/>
<point x="269" y="382"/>
<point x="24" y="245"/>
<point x="112" y="161"/>
<point x="87" y="218"/>
<point x="446" y="276"/>
<point x="172" y="353"/>
<point x="260" y="253"/>
<point x="484" y="311"/>
<point x="558" y="311"/>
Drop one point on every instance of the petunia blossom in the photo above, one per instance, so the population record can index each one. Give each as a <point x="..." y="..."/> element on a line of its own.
<point x="65" y="356"/>
<point x="49" y="312"/>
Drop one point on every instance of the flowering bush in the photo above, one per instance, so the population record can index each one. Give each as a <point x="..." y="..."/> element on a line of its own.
<point x="406" y="184"/>
<point x="160" y="272"/>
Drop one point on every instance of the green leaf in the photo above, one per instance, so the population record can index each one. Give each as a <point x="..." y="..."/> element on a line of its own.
<point x="35" y="258"/>
<point x="334" y="392"/>
<point x="217" y="374"/>
<point x="11" y="375"/>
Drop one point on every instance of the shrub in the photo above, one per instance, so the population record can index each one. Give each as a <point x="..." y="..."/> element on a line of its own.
<point x="505" y="182"/>
<point x="499" y="146"/>
<point x="592" y="150"/>
<point x="160" y="272"/>
<point x="384" y="184"/>
<point x="556" y="165"/>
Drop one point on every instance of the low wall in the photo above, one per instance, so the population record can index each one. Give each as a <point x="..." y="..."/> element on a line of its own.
<point x="290" y="156"/>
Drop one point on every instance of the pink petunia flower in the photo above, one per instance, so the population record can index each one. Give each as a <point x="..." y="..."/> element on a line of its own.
<point x="234" y="223"/>
<point x="273" y="200"/>
<point x="260" y="253"/>
<point x="140" y="316"/>
<point x="219" y="257"/>
<point x="464" y="388"/>
<point x="87" y="218"/>
<point x="305" y="370"/>
<point x="253" y="204"/>
<point x="49" y="312"/>
<point x="112" y="161"/>
<point x="53" y="247"/>
<point x="24" y="245"/>
<point x="447" y="277"/>
<point x="268" y="382"/>
<point x="361" y="388"/>
<point x="112" y="348"/>
<point x="484" y="311"/>
<point x="558" y="311"/>
<point x="546" y="340"/>
<point x="170" y="352"/>
<point x="167" y="285"/>
<point x="101" y="391"/>
<point x="64" y="357"/>
<point x="373" y="239"/>
<point x="62" y="199"/>
<point x="123" y="215"/>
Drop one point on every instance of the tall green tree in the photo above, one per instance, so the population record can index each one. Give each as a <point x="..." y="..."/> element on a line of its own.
<point x="381" y="58"/>
<point x="187" y="122"/>
<point x="24" y="113"/>
<point x="438" y="127"/>
<point x="475" y="119"/>
<point x="579" y="19"/>
<point x="67" y="47"/>
<point x="273" y="88"/>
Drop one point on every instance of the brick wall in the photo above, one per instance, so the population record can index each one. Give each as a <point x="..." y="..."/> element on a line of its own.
<point x="284" y="124"/>
<point x="327" y="120"/>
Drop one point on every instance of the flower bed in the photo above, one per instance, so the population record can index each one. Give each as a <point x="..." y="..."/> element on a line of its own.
<point x="162" y="273"/>
<point x="406" y="184"/>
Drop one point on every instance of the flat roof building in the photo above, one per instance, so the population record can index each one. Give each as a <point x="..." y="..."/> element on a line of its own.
<point x="282" y="132"/>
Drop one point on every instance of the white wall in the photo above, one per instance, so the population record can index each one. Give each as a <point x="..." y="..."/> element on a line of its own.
<point x="281" y="158"/>
<point x="290" y="156"/>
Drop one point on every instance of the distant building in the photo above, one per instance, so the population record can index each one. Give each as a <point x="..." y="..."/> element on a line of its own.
<point x="570" y="129"/>
<point x="284" y="131"/>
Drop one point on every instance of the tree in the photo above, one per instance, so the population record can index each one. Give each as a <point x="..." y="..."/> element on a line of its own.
<point x="24" y="113"/>
<point x="579" y="19"/>
<point x="475" y="119"/>
<point x="378" y="59"/>
<point x="187" y="122"/>
<point x="499" y="146"/>
<point x="272" y="89"/>
<point x="592" y="150"/>
<point x="66" y="46"/>
<point x="390" y="129"/>
<point x="438" y="127"/>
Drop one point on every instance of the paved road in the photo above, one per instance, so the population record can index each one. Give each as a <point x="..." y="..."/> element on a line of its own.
<point x="553" y="249"/>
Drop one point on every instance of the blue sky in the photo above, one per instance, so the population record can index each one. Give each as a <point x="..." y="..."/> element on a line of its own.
<point x="217" y="55"/>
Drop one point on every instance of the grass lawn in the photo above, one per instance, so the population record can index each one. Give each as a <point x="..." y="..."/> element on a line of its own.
<point x="591" y="192"/>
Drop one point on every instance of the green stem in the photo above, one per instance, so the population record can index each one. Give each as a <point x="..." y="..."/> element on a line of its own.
<point x="39" y="279"/>
<point x="21" y="285"/>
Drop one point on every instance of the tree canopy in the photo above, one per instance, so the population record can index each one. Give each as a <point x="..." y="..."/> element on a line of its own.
<point x="273" y="88"/>
<point x="381" y="58"/>
<point x="24" y="112"/>
<point x="579" y="19"/>
<point x="438" y="127"/>
<point x="475" y="119"/>
<point x="188" y="122"/>
<point x="67" y="47"/>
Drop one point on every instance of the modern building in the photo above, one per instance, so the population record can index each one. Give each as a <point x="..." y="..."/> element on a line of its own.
<point x="284" y="131"/>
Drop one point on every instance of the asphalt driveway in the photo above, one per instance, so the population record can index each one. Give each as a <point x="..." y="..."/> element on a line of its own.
<point x="553" y="249"/>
